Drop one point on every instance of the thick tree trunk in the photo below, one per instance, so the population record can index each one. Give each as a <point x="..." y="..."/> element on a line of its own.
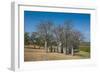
<point x="45" y="45"/>
<point x="54" y="50"/>
<point x="66" y="51"/>
<point x="34" y="45"/>
<point x="67" y="48"/>
<point x="61" y="48"/>
<point x="51" y="48"/>
<point x="72" y="51"/>
<point x="57" y="49"/>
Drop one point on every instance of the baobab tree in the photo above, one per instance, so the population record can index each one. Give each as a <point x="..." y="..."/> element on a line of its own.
<point x="44" y="29"/>
<point x="72" y="37"/>
<point x="77" y="39"/>
<point x="58" y="34"/>
<point x="67" y="35"/>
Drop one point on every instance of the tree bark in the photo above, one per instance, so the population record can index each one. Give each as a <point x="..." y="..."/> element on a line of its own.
<point x="51" y="48"/>
<point x="61" y="48"/>
<point x="66" y="50"/>
<point x="72" y="51"/>
<point x="45" y="45"/>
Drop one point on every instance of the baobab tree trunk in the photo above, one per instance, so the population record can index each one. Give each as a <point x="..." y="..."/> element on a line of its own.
<point x="66" y="50"/>
<point x="34" y="45"/>
<point x="57" y="48"/>
<point x="45" y="45"/>
<point x="50" y="49"/>
<point x="72" y="51"/>
<point x="61" y="48"/>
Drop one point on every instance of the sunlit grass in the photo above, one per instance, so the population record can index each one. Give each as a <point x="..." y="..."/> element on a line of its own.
<point x="85" y="48"/>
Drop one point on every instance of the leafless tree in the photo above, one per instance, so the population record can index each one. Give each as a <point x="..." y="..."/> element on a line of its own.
<point x="58" y="34"/>
<point x="72" y="37"/>
<point x="44" y="29"/>
<point x="65" y="37"/>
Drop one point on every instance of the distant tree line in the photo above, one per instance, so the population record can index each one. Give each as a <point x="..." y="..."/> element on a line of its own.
<point x="62" y="38"/>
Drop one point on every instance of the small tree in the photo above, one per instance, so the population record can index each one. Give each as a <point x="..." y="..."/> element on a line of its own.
<point x="33" y="38"/>
<point x="26" y="38"/>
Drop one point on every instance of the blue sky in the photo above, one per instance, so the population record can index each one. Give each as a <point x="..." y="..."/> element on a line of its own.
<point x="81" y="21"/>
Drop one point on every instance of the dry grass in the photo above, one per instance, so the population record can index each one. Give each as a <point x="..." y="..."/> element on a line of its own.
<point x="41" y="55"/>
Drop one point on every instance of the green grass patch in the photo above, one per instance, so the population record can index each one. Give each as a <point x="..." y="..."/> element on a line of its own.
<point x="85" y="48"/>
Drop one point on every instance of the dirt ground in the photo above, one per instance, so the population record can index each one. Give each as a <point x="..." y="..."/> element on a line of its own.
<point x="31" y="54"/>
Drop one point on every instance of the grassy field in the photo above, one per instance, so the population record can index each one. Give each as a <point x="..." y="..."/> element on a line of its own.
<point x="31" y="54"/>
<point x="85" y="48"/>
